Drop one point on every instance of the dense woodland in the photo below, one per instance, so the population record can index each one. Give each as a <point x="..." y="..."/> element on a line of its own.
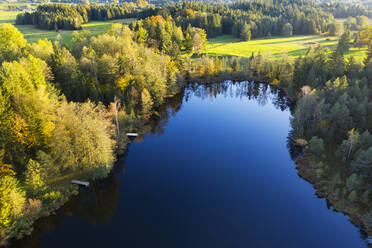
<point x="53" y="98"/>
<point x="244" y="19"/>
<point x="37" y="121"/>
<point x="71" y="17"/>
<point x="342" y="10"/>
<point x="334" y="116"/>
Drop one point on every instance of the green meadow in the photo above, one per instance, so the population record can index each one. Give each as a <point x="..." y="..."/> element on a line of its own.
<point x="294" y="46"/>
<point x="225" y="45"/>
<point x="32" y="33"/>
<point x="8" y="16"/>
<point x="20" y="5"/>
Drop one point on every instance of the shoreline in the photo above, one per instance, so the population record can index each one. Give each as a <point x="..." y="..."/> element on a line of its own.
<point x="303" y="165"/>
<point x="305" y="170"/>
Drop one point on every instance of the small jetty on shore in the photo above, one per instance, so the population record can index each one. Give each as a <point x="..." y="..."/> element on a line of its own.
<point x="86" y="184"/>
<point x="132" y="134"/>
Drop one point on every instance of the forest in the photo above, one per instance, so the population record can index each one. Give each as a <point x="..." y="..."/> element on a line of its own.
<point x="82" y="100"/>
<point x="70" y="17"/>
<point x="243" y="19"/>
<point x="262" y="17"/>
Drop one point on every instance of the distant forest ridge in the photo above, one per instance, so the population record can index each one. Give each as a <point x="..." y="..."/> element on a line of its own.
<point x="261" y="18"/>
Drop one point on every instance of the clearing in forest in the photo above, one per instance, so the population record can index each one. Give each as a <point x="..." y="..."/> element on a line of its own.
<point x="294" y="46"/>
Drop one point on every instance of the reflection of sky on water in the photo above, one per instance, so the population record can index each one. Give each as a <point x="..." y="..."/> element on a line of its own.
<point x="215" y="172"/>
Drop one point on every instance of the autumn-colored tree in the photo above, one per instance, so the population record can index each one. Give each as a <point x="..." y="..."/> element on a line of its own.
<point x="12" y="43"/>
<point x="84" y="132"/>
<point x="12" y="202"/>
<point x="5" y="169"/>
<point x="146" y="102"/>
<point x="35" y="176"/>
<point x="27" y="107"/>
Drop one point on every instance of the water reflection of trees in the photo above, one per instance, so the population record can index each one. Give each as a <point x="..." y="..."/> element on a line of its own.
<point x="98" y="203"/>
<point x="294" y="150"/>
<point x="262" y="93"/>
<point x="164" y="113"/>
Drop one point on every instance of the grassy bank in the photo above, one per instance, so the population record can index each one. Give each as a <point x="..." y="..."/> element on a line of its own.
<point x="295" y="46"/>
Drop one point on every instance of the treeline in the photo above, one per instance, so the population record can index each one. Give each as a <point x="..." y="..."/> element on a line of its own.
<point x="55" y="16"/>
<point x="112" y="12"/>
<point x="258" y="67"/>
<point x="264" y="18"/>
<point x="334" y="117"/>
<point x="244" y="19"/>
<point x="344" y="10"/>
<point x="261" y="18"/>
<point x="71" y="17"/>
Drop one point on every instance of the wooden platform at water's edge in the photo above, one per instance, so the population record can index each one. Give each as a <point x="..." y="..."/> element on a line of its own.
<point x="86" y="184"/>
<point x="132" y="134"/>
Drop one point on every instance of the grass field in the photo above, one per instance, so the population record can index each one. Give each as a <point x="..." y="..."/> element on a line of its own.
<point x="19" y="5"/>
<point x="225" y="45"/>
<point x="32" y="34"/>
<point x="8" y="16"/>
<point x="293" y="46"/>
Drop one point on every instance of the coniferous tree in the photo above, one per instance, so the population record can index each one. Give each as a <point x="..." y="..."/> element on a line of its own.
<point x="287" y="29"/>
<point x="245" y="34"/>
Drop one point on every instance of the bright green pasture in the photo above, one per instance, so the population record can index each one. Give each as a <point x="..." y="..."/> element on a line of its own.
<point x="8" y="16"/>
<point x="32" y="33"/>
<point x="276" y="46"/>
<point x="20" y="5"/>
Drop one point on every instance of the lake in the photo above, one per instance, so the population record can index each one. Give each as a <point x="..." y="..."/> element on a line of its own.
<point x="214" y="170"/>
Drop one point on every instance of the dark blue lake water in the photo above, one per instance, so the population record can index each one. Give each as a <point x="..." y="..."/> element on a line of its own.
<point x="213" y="171"/>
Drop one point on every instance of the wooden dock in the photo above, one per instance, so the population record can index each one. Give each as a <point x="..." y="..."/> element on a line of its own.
<point x="86" y="184"/>
<point x="132" y="134"/>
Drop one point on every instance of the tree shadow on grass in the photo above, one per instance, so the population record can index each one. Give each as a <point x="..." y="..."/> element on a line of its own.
<point x="292" y="39"/>
<point x="293" y="53"/>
